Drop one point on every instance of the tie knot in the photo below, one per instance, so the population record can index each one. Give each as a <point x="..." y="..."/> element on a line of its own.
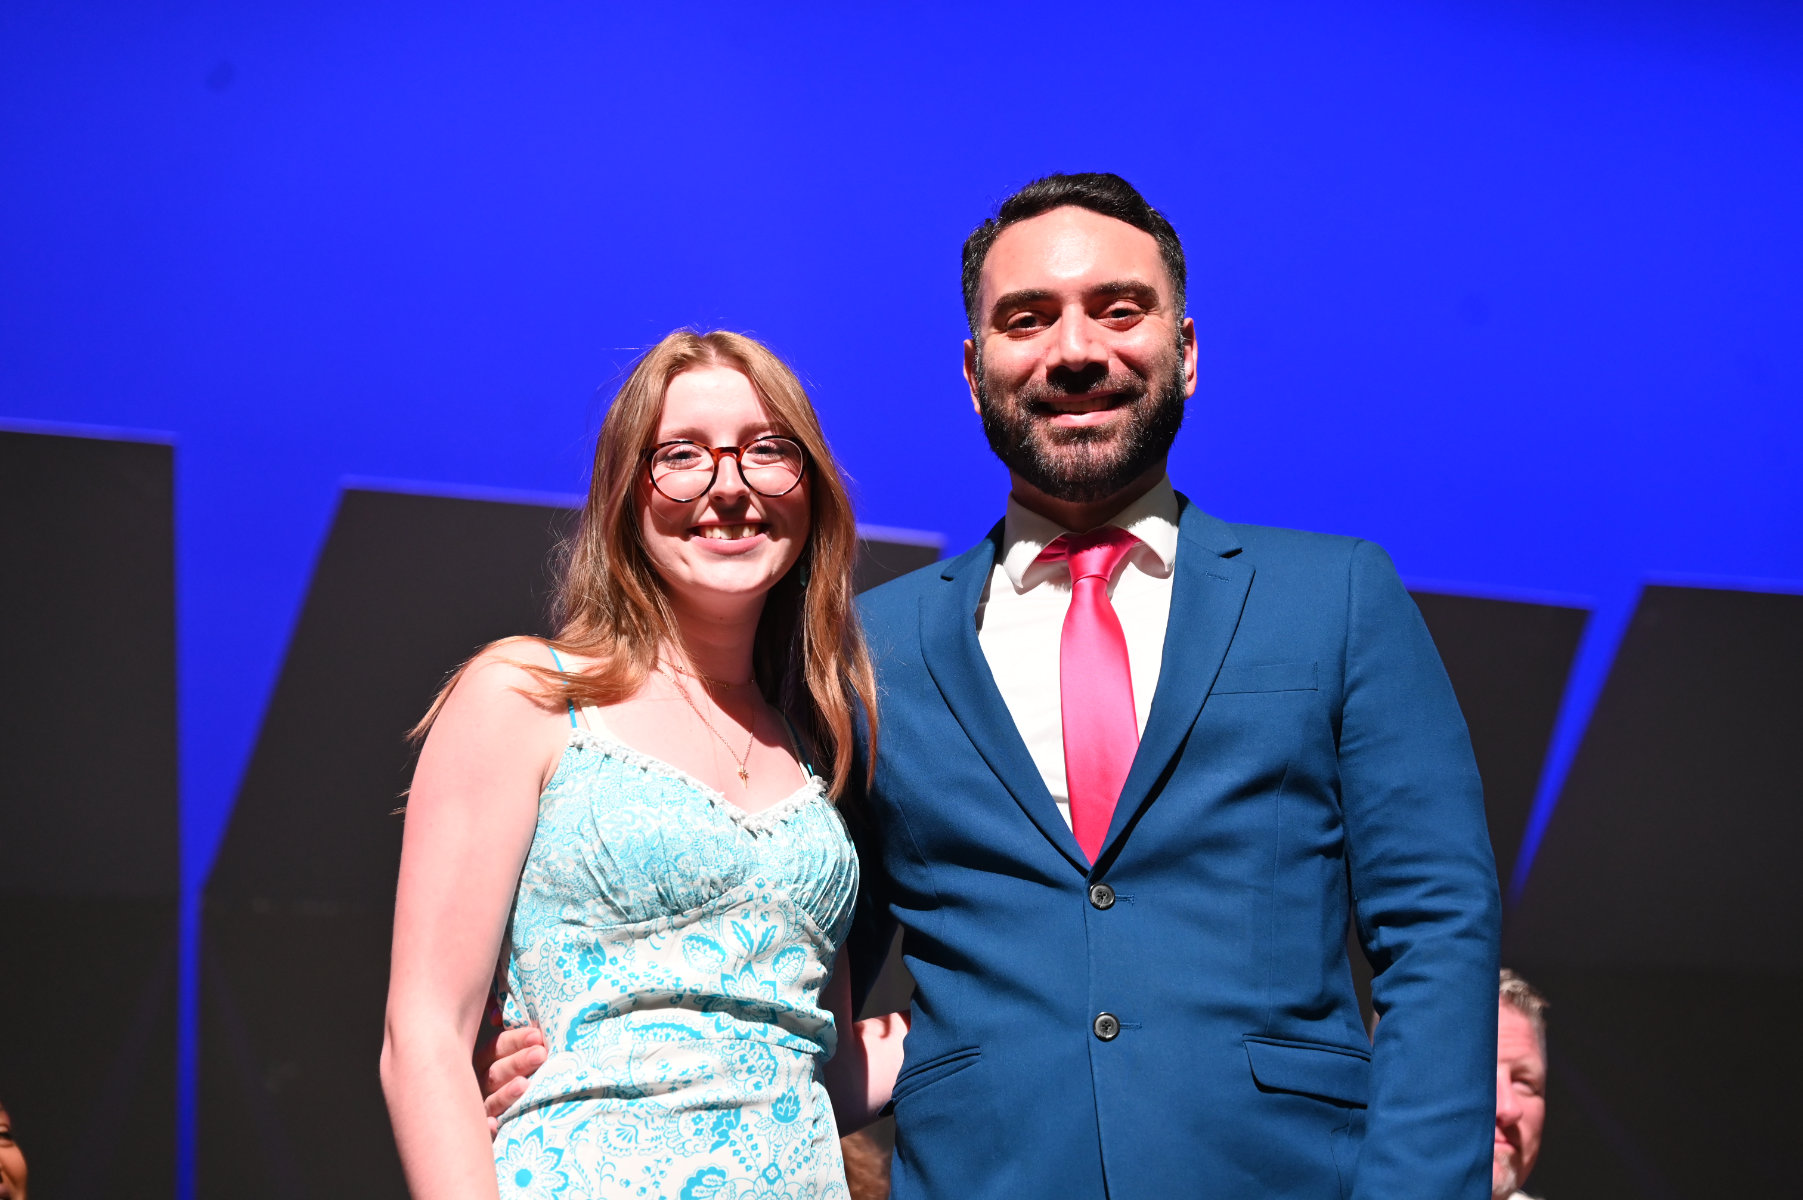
<point x="1091" y="555"/>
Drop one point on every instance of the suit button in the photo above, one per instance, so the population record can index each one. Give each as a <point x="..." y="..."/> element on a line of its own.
<point x="1102" y="896"/>
<point x="1107" y="1027"/>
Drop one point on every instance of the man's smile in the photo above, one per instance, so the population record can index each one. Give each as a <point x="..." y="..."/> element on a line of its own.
<point x="1095" y="412"/>
<point x="1086" y="408"/>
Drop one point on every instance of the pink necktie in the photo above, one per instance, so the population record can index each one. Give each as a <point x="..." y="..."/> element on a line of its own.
<point x="1101" y="729"/>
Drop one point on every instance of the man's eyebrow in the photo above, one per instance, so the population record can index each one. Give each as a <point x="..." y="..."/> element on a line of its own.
<point x="1135" y="289"/>
<point x="1138" y="289"/>
<point x="1019" y="298"/>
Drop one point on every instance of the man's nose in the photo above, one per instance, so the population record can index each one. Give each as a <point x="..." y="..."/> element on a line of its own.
<point x="1076" y="344"/>
<point x="1508" y="1104"/>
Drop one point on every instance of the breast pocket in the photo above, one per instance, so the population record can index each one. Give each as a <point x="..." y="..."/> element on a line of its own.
<point x="1266" y="677"/>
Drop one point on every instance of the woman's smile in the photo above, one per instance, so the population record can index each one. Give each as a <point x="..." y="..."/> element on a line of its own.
<point x="739" y="532"/>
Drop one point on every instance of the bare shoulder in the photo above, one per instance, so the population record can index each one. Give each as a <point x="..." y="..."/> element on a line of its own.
<point x="497" y="702"/>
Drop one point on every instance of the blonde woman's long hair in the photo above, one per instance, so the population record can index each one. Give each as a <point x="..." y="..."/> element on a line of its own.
<point x="809" y="655"/>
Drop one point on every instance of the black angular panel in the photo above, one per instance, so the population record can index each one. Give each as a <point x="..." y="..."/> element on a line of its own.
<point x="889" y="554"/>
<point x="87" y="650"/>
<point x="1666" y="1083"/>
<point x="88" y="833"/>
<point x="406" y="588"/>
<point x="1674" y="843"/>
<point x="298" y="910"/>
<point x="88" y="1054"/>
<point x="1508" y="662"/>
<point x="291" y="1029"/>
<point x="1664" y="914"/>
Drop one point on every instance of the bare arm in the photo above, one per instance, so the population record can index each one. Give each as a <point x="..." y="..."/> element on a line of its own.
<point x="861" y="1074"/>
<point x="470" y="819"/>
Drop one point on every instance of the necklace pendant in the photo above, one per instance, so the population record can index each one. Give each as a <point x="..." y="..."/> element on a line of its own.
<point x="744" y="779"/>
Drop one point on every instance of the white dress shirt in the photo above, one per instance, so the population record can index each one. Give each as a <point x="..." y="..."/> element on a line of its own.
<point x="1020" y="620"/>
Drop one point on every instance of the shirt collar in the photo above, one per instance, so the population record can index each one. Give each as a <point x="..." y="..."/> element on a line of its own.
<point x="1152" y="519"/>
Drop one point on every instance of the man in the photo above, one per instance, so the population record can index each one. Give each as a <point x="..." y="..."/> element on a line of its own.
<point x="1520" y="1085"/>
<point x="1123" y="853"/>
<point x="1129" y="786"/>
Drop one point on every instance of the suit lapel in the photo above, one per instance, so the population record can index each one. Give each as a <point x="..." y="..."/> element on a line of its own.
<point x="1207" y="597"/>
<point x="953" y="656"/>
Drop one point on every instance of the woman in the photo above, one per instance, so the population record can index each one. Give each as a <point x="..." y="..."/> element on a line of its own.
<point x="636" y="821"/>
<point x="12" y="1160"/>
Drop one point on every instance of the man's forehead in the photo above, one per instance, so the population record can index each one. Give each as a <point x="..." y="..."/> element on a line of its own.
<point x="1070" y="247"/>
<point x="1515" y="1034"/>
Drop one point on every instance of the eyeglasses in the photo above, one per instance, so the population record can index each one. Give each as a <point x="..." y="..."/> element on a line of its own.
<point x="684" y="470"/>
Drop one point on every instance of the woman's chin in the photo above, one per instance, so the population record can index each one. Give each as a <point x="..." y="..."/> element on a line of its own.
<point x="735" y="582"/>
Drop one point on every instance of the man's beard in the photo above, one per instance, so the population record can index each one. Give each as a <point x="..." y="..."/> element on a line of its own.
<point x="1503" y="1180"/>
<point x="1085" y="464"/>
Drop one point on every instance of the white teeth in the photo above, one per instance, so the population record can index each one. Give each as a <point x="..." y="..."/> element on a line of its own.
<point x="727" y="533"/>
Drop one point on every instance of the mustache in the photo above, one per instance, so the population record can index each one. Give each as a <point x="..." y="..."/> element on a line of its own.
<point x="1040" y="398"/>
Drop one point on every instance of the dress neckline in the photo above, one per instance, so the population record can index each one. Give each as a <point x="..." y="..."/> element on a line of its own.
<point x="756" y="821"/>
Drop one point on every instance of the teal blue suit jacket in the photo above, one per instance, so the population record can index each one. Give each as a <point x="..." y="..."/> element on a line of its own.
<point x="1304" y="761"/>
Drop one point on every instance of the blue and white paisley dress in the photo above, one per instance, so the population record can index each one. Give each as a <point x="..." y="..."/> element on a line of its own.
<point x="672" y="948"/>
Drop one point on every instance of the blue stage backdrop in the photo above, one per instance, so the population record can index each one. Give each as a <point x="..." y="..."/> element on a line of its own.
<point x="1511" y="288"/>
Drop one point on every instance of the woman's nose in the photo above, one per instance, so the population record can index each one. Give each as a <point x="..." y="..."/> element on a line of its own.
<point x="729" y="479"/>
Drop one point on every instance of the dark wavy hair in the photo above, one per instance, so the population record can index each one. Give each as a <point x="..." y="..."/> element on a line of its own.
<point x="1099" y="192"/>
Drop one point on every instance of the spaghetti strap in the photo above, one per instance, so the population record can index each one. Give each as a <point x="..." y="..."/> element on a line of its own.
<point x="569" y="704"/>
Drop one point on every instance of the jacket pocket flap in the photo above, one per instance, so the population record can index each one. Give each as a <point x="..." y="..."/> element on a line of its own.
<point x="915" y="1076"/>
<point x="1266" y="677"/>
<point x="1330" y="1072"/>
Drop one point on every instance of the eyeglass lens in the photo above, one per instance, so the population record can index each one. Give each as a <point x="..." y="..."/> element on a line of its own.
<point x="686" y="470"/>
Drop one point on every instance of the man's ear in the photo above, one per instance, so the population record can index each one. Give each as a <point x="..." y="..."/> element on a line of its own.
<point x="970" y="374"/>
<point x="1186" y="333"/>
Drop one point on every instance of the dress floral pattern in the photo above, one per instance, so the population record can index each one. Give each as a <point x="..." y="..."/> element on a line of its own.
<point x="672" y="948"/>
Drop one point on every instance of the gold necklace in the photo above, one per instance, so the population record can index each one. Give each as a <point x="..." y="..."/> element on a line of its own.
<point x="706" y="680"/>
<point x="741" y="760"/>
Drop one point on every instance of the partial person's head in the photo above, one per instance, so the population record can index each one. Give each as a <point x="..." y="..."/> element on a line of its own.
<point x="715" y="495"/>
<point x="12" y="1160"/>
<point x="1080" y="357"/>
<point x="1520" y="1083"/>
